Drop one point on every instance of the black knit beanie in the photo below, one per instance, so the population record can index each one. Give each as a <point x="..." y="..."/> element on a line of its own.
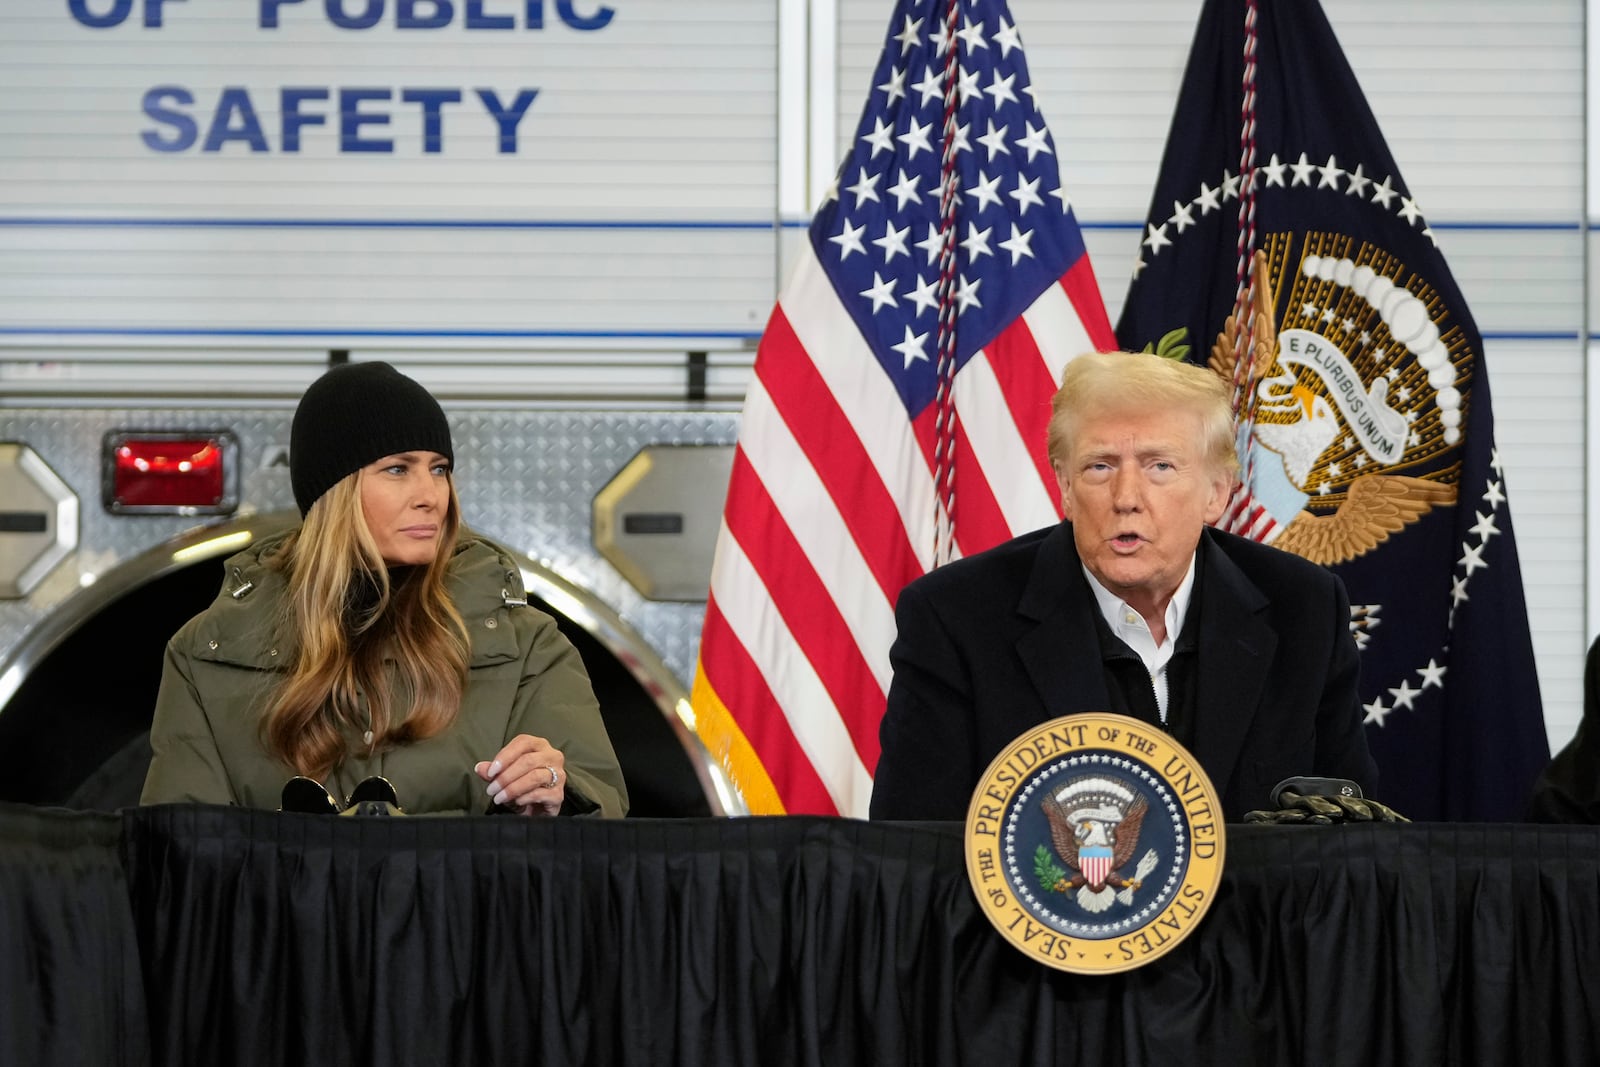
<point x="354" y="414"/>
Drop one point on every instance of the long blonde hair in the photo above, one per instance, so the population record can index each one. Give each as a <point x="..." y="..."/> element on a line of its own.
<point x="348" y="615"/>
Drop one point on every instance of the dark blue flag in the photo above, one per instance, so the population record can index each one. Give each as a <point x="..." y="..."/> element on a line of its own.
<point x="1367" y="435"/>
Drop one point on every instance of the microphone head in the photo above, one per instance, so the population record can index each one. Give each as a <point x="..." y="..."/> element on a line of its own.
<point x="376" y="788"/>
<point x="373" y="796"/>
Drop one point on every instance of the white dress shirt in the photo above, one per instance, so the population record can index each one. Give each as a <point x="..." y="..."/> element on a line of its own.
<point x="1129" y="625"/>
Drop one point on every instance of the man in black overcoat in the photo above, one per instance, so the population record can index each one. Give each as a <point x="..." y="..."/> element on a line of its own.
<point x="1133" y="604"/>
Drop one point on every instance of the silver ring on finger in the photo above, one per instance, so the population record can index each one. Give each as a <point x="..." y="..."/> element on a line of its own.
<point x="555" y="777"/>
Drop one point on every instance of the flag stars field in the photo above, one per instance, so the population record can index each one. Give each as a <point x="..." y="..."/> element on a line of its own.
<point x="1026" y="194"/>
<point x="1272" y="174"/>
<point x="1182" y="215"/>
<point x="1302" y="171"/>
<point x="865" y="188"/>
<point x="1403" y="694"/>
<point x="1034" y="141"/>
<point x="1485" y="528"/>
<point x="1358" y="183"/>
<point x="1274" y="171"/>
<point x="893" y="241"/>
<point x="1017" y="243"/>
<point x="1006" y="37"/>
<point x="1432" y="675"/>
<point x="1330" y="175"/>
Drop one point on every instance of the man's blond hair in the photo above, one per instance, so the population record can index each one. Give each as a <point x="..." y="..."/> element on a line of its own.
<point x="1101" y="382"/>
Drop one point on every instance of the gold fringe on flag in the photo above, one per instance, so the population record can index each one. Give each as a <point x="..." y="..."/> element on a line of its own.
<point x="721" y="734"/>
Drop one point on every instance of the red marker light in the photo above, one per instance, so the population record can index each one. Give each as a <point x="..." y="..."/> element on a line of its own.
<point x="171" y="473"/>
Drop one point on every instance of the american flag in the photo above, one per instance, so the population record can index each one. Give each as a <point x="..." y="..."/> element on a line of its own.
<point x="836" y="499"/>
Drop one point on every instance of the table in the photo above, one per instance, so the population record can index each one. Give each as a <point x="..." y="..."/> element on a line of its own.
<point x="191" y="934"/>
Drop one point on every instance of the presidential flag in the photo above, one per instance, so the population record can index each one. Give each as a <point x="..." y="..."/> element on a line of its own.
<point x="1284" y="249"/>
<point x="898" y="410"/>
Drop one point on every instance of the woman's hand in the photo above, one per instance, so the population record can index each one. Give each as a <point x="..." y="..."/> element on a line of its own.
<point x="528" y="774"/>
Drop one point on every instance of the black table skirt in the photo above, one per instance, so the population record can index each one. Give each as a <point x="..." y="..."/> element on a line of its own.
<point x="264" y="938"/>
<point x="70" y="985"/>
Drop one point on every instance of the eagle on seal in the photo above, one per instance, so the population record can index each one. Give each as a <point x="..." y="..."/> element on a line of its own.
<point x="1094" y="826"/>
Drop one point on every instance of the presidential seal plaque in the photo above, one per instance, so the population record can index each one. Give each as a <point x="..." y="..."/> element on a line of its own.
<point x="1094" y="843"/>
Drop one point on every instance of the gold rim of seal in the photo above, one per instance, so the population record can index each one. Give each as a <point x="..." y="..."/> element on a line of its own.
<point x="1047" y="745"/>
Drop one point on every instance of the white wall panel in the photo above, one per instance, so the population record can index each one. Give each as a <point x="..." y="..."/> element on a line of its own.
<point x="664" y="115"/>
<point x="421" y="281"/>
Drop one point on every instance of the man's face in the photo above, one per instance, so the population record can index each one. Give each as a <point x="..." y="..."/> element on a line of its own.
<point x="1138" y="491"/>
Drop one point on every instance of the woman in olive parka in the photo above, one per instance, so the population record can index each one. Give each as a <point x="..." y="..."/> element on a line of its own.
<point x="379" y="639"/>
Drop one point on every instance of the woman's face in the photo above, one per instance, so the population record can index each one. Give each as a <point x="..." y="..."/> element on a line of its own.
<point x="404" y="498"/>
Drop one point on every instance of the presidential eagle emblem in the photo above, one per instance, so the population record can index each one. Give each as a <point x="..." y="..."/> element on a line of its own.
<point x="1094" y="826"/>
<point x="1055" y="826"/>
<point x="1335" y="399"/>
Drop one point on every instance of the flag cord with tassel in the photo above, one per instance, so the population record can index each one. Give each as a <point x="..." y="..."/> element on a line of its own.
<point x="944" y="431"/>
<point x="1244" y="361"/>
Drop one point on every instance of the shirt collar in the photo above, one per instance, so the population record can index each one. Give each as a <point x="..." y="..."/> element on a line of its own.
<point x="1115" y="610"/>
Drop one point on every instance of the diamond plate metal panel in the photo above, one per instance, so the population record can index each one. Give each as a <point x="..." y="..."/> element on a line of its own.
<point x="526" y="478"/>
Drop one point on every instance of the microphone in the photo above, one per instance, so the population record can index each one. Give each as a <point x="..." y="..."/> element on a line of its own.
<point x="373" y="796"/>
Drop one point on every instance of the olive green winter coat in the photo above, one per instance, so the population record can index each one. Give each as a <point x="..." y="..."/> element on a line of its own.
<point x="523" y="677"/>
